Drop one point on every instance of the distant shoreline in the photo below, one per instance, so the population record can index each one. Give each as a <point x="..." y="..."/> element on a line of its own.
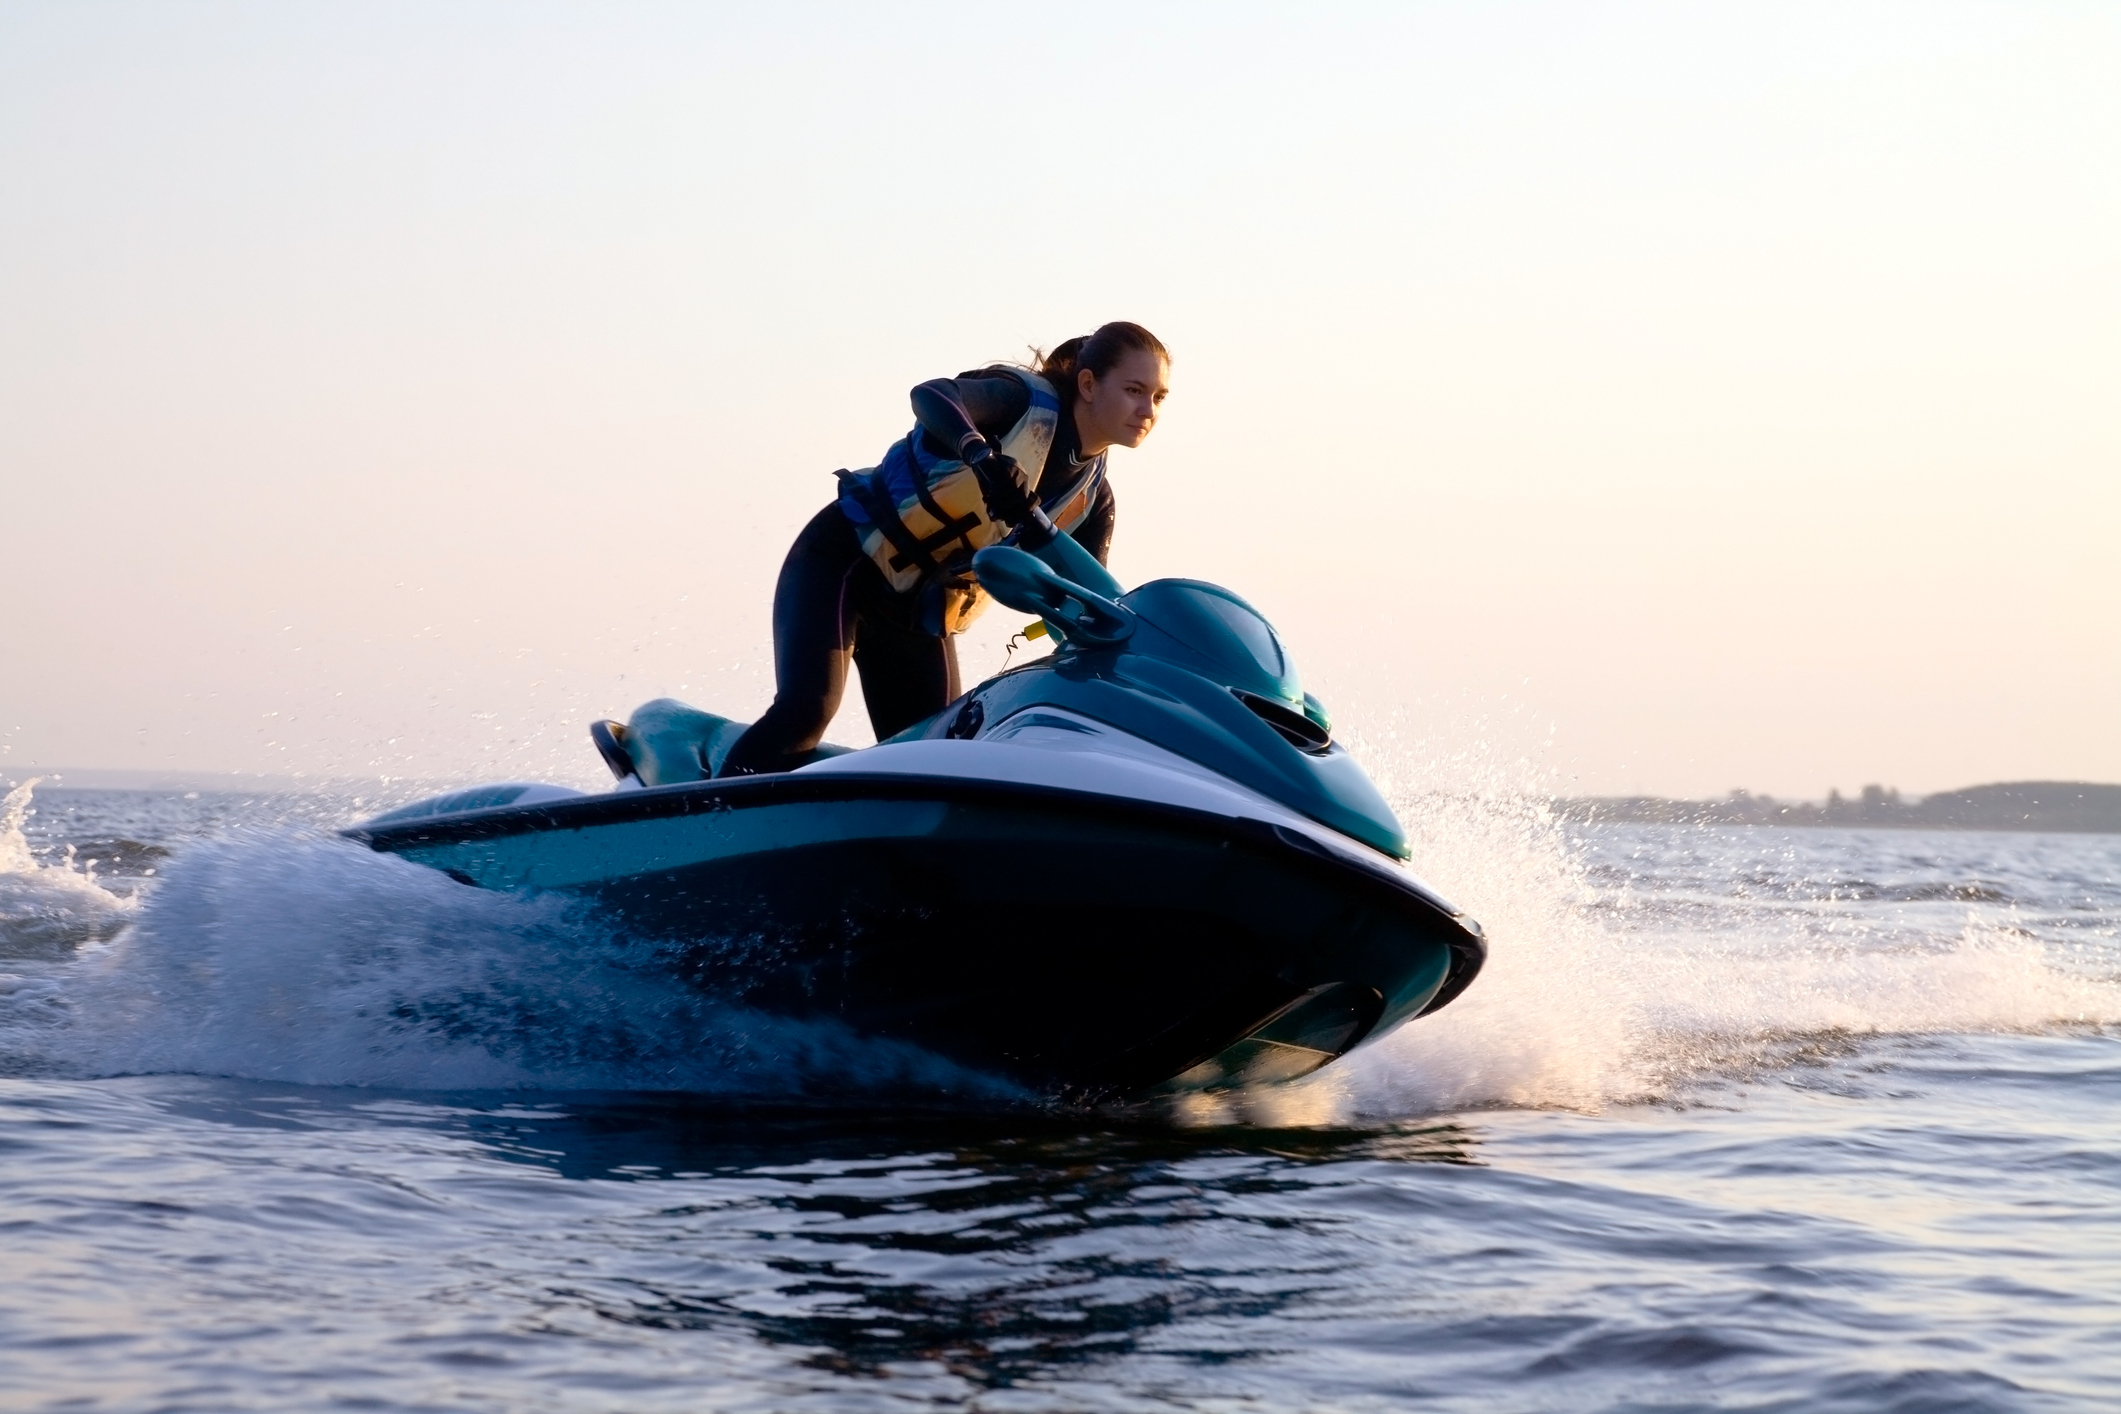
<point x="2079" y="807"/>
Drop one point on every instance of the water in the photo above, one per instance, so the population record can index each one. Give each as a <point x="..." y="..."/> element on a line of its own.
<point x="1737" y="1119"/>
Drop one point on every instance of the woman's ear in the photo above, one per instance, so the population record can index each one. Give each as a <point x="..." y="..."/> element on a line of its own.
<point x="1085" y="383"/>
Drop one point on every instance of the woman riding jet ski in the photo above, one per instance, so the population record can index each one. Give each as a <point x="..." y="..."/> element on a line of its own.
<point x="1139" y="864"/>
<point x="883" y="573"/>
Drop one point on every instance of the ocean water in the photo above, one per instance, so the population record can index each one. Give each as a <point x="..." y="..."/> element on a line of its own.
<point x="1742" y="1119"/>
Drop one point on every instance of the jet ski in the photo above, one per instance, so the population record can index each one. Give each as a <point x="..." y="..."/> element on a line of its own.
<point x="1140" y="864"/>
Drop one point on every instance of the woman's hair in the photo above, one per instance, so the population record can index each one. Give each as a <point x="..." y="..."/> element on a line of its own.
<point x="1099" y="352"/>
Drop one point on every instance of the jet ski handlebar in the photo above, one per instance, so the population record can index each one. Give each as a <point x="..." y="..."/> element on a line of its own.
<point x="1028" y="585"/>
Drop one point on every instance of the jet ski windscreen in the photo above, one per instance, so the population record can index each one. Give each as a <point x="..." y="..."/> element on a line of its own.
<point x="1222" y="628"/>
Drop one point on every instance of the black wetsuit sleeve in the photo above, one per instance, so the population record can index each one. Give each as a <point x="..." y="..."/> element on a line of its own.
<point x="1095" y="533"/>
<point x="956" y="412"/>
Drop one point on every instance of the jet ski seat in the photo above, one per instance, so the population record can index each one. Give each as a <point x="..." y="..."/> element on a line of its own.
<point x="666" y="743"/>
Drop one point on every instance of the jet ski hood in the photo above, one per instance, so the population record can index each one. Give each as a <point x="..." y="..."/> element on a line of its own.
<point x="1190" y="667"/>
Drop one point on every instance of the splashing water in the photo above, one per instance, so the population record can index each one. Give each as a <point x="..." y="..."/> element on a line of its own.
<point x="47" y="910"/>
<point x="1600" y="991"/>
<point x="309" y="959"/>
<point x="1627" y="963"/>
<point x="279" y="952"/>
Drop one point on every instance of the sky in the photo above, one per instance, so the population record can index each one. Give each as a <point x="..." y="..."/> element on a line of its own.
<point x="1677" y="397"/>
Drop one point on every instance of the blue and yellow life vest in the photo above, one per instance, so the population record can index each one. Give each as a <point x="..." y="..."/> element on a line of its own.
<point x="921" y="517"/>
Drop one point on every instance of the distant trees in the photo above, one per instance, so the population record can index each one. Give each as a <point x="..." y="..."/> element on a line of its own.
<point x="2017" y="805"/>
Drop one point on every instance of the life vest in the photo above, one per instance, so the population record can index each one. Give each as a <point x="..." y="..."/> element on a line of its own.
<point x="921" y="517"/>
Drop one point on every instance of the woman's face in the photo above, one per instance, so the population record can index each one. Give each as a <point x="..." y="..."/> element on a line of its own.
<point x="1118" y="409"/>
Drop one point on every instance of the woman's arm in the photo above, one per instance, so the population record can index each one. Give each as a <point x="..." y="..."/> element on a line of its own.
<point x="959" y="412"/>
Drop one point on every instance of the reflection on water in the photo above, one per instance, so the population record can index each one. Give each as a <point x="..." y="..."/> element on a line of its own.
<point x="1908" y="1225"/>
<point x="992" y="1249"/>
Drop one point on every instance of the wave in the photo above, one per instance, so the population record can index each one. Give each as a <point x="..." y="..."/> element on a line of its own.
<point x="285" y="954"/>
<point x="48" y="910"/>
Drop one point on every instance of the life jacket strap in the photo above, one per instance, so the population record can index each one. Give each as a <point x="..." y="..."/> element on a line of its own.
<point x="959" y="528"/>
<point x="884" y="515"/>
<point x="952" y="530"/>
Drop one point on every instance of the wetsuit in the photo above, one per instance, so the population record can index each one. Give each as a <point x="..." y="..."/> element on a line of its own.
<point x="832" y="602"/>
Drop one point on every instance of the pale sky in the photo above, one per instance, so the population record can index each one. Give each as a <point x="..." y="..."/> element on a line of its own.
<point x="1731" y="393"/>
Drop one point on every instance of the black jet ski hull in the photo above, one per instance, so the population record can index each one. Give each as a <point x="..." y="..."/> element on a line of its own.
<point x="1083" y="944"/>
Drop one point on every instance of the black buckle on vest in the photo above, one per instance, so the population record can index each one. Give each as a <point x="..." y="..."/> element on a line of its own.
<point x="885" y="517"/>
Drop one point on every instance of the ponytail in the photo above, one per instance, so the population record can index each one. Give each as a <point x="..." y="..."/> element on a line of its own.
<point x="1100" y="352"/>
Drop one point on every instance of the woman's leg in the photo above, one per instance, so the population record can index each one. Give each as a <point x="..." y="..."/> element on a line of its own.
<point x="907" y="675"/>
<point x="809" y="648"/>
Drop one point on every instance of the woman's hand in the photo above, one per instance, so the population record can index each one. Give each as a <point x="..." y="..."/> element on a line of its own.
<point x="1005" y="486"/>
